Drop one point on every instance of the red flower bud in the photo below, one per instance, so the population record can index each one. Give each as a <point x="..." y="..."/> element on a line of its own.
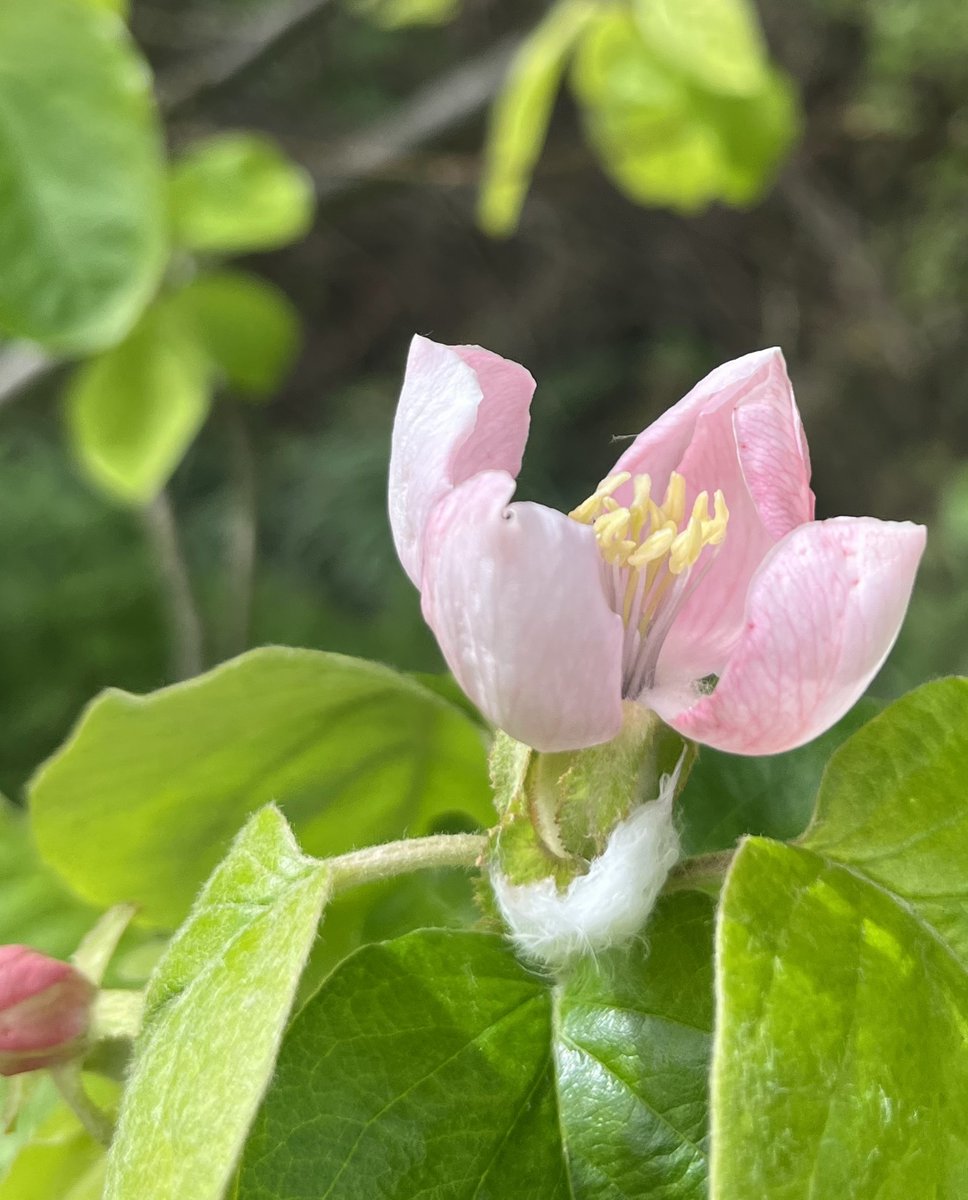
<point x="45" y="1007"/>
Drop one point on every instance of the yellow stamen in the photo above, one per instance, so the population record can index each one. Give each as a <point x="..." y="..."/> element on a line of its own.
<point x="655" y="542"/>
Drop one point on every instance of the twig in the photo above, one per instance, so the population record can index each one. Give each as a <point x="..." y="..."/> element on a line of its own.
<point x="434" y="109"/>
<point x="184" y="622"/>
<point x="184" y="84"/>
<point x="241" y="534"/>
<point x="400" y="858"/>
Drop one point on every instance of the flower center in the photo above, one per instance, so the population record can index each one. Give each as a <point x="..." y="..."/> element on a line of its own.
<point x="648" y="553"/>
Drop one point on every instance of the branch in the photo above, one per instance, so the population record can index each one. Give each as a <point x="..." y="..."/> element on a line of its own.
<point x="183" y="619"/>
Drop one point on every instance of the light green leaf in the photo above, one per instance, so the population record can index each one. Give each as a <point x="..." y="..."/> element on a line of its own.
<point x="82" y="239"/>
<point x="894" y="806"/>
<point x="145" y="795"/>
<point x="238" y="192"/>
<point x="729" y="795"/>
<point x="216" y="1009"/>
<point x="35" y="908"/>
<point x="841" y="1066"/>
<point x="665" y="140"/>
<point x="717" y="43"/>
<point x="247" y="326"/>
<point x="521" y="113"/>
<point x="841" y="1058"/>
<point x="133" y="411"/>
<point x="58" y="1160"/>
<point x="452" y="1071"/>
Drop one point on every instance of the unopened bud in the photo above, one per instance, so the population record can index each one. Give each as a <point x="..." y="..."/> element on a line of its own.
<point x="45" y="1008"/>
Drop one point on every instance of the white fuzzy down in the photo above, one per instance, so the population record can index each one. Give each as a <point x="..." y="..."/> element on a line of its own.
<point x="608" y="905"/>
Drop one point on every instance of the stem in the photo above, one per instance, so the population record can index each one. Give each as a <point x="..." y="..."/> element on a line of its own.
<point x="703" y="873"/>
<point x="399" y="858"/>
<point x="183" y="619"/>
<point x="240" y="536"/>
<point x="95" y="1120"/>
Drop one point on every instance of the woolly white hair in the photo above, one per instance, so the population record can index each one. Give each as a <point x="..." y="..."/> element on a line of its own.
<point x="606" y="906"/>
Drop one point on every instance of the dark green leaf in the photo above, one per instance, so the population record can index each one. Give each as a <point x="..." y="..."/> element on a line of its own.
<point x="144" y="797"/>
<point x="82" y="239"/>
<point x="729" y="795"/>
<point x="422" y="1068"/>
<point x="435" y="1065"/>
<point x="632" y="1047"/>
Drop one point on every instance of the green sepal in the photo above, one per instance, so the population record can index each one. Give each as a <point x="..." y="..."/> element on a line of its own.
<point x="559" y="809"/>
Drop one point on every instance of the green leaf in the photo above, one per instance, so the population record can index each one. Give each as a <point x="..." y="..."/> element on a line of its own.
<point x="82" y="240"/>
<point x="143" y="798"/>
<point x="133" y="411"/>
<point x="665" y="140"/>
<point x="237" y="192"/>
<point x="35" y="908"/>
<point x="452" y="1071"/>
<point x="437" y="1080"/>
<point x="729" y="795"/>
<point x="841" y="1059"/>
<point x="59" y="1160"/>
<point x="717" y="43"/>
<point x="217" y="1006"/>
<point x="894" y="806"/>
<point x="247" y="326"/>
<point x="632" y="1048"/>
<point x="841" y="1066"/>
<point x="521" y="114"/>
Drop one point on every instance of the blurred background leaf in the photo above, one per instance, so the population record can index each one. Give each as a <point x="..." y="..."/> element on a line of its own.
<point x="236" y="192"/>
<point x="133" y="410"/>
<point x="82" y="239"/>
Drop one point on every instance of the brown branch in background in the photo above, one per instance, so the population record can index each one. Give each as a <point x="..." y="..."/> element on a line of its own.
<point x="184" y="623"/>
<point x="251" y="42"/>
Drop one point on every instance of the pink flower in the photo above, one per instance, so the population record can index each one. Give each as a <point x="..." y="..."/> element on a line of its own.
<point x="45" y="1007"/>
<point x="694" y="581"/>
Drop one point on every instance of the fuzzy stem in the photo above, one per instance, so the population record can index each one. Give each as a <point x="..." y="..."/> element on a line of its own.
<point x="400" y="858"/>
<point x="703" y="873"/>
<point x="96" y="1121"/>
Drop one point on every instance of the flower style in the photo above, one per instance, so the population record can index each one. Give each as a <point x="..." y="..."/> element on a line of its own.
<point x="694" y="580"/>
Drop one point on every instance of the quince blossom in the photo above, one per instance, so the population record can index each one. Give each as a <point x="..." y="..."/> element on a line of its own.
<point x="694" y="581"/>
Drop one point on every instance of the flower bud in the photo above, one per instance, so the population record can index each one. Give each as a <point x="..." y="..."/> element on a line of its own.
<point x="45" y="1007"/>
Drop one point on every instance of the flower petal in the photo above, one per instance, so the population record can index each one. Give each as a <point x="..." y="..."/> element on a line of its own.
<point x="514" y="595"/>
<point x="823" y="611"/>
<point x="462" y="410"/>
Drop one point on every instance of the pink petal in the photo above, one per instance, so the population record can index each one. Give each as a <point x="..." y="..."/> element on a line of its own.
<point x="514" y="595"/>
<point x="824" y="610"/>
<point x="461" y="410"/>
<point x="711" y="621"/>
<point x="768" y="431"/>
